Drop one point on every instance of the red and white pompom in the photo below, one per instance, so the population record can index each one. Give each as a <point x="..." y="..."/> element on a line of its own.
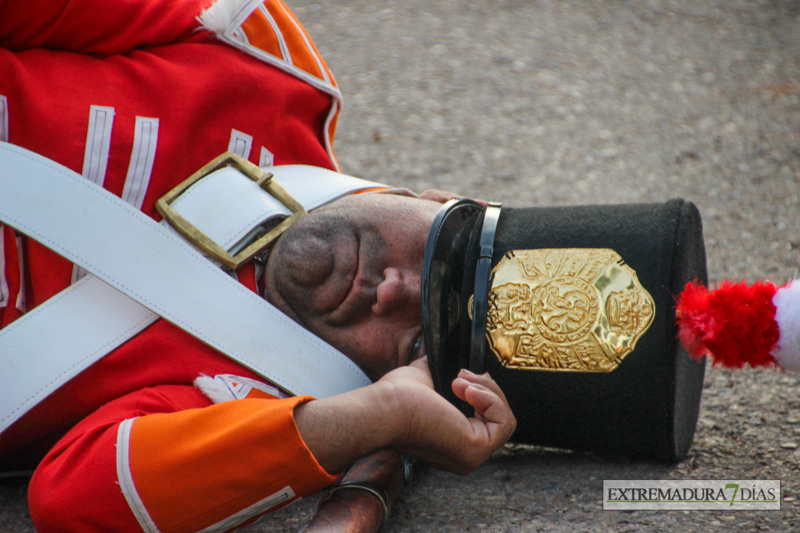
<point x="739" y="323"/>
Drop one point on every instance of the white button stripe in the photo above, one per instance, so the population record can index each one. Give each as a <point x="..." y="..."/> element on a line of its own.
<point x="145" y="140"/>
<point x="98" y="143"/>
<point x="240" y="143"/>
<point x="266" y="159"/>
<point x="3" y="282"/>
<point x="3" y="118"/>
<point x="21" y="303"/>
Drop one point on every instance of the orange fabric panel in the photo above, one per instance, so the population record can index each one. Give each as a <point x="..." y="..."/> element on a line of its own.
<point x="194" y="468"/>
<point x="76" y="487"/>
<point x="302" y="56"/>
<point x="301" y="50"/>
<point x="308" y="37"/>
<point x="260" y="395"/>
<point x="261" y="35"/>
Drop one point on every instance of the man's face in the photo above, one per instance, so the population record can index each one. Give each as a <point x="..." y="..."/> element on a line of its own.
<point x="350" y="272"/>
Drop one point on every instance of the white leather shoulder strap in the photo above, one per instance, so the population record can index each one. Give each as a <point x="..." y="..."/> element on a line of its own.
<point x="226" y="205"/>
<point x="130" y="252"/>
<point x="60" y="338"/>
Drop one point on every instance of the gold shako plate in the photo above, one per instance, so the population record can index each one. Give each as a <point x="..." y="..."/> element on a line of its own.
<point x="573" y="309"/>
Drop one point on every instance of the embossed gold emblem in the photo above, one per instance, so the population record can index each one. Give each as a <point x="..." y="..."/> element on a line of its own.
<point x="578" y="309"/>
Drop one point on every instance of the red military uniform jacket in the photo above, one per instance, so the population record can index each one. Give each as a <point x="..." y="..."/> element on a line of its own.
<point x="136" y="95"/>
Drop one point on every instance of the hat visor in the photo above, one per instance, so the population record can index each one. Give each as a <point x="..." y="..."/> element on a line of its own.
<point x="447" y="278"/>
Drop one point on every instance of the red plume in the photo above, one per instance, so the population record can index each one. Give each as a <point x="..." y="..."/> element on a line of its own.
<point x="735" y="323"/>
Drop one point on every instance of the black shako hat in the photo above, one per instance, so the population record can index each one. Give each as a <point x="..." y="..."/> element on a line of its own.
<point x="571" y="311"/>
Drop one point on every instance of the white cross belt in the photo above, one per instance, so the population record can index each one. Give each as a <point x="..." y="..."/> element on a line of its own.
<point x="143" y="271"/>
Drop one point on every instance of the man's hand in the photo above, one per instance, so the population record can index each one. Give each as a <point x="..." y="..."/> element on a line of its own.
<point x="436" y="431"/>
<point x="402" y="411"/>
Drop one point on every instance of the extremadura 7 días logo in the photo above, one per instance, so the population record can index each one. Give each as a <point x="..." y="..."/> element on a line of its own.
<point x="705" y="494"/>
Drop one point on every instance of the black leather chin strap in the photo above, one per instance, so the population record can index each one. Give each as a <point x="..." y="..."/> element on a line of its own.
<point x="480" y="302"/>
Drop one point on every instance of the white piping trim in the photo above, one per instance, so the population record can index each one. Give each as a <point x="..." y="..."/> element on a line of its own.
<point x="305" y="40"/>
<point x="3" y="118"/>
<point x="125" y="478"/>
<point x="263" y="506"/>
<point x="228" y="37"/>
<point x="281" y="41"/>
<point x="283" y="65"/>
<point x="241" y="35"/>
<point x="240" y="143"/>
<point x="4" y="296"/>
<point x="145" y="141"/>
<point x="326" y="132"/>
<point x="21" y="303"/>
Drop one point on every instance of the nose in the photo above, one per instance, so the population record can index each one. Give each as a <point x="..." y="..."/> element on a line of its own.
<point x="398" y="290"/>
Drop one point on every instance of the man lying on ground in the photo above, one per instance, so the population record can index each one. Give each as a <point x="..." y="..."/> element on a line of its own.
<point x="135" y="96"/>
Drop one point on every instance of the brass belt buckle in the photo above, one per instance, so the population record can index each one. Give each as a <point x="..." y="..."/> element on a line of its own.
<point x="205" y="244"/>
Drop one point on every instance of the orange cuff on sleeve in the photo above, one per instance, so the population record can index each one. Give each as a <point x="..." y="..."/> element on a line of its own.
<point x="218" y="466"/>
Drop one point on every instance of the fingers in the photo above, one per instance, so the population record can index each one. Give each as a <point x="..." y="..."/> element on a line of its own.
<point x="492" y="412"/>
<point x="483" y="400"/>
<point x="490" y="408"/>
<point x="460" y="387"/>
<point x="439" y="433"/>
<point x="482" y="379"/>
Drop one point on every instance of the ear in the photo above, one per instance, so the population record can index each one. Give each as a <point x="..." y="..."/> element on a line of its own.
<point x="439" y="196"/>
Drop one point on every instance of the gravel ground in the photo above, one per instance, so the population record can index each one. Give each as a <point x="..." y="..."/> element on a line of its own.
<point x="546" y="102"/>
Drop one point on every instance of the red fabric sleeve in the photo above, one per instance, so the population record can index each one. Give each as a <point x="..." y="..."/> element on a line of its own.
<point x="182" y="465"/>
<point x="97" y="27"/>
